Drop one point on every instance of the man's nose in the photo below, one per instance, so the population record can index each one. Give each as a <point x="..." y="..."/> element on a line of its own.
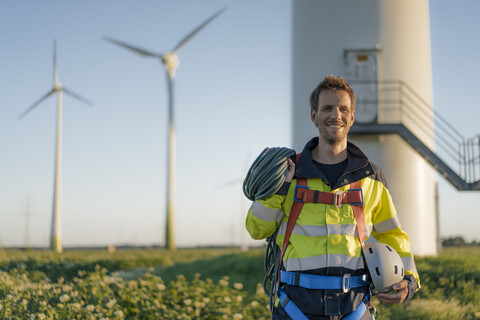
<point x="336" y="113"/>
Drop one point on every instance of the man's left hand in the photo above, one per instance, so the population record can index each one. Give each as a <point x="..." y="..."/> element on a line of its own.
<point x="397" y="297"/>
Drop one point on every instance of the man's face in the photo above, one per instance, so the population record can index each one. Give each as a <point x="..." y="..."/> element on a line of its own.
<point x="334" y="116"/>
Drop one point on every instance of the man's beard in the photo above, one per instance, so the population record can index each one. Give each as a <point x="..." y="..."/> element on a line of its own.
<point x="331" y="140"/>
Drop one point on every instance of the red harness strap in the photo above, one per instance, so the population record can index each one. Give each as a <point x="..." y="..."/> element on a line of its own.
<point x="302" y="195"/>
<point x="359" y="214"/>
<point x="292" y="219"/>
<point x="353" y="196"/>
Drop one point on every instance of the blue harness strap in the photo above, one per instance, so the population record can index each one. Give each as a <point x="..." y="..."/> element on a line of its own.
<point x="358" y="313"/>
<point x="312" y="281"/>
<point x="290" y="308"/>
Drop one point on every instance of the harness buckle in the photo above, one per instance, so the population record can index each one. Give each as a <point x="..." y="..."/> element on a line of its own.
<point x="338" y="199"/>
<point x="361" y="197"/>
<point x="295" y="193"/>
<point x="346" y="282"/>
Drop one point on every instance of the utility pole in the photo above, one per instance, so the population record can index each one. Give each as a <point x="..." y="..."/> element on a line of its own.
<point x="27" y="222"/>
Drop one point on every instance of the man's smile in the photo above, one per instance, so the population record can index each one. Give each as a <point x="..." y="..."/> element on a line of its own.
<point x="335" y="125"/>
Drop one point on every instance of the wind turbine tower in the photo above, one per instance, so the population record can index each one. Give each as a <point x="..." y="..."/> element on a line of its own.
<point x="56" y="229"/>
<point x="170" y="61"/>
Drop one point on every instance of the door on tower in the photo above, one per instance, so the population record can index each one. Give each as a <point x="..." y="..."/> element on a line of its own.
<point x="361" y="74"/>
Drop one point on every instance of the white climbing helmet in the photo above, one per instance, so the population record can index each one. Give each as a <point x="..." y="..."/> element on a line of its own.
<point x="384" y="265"/>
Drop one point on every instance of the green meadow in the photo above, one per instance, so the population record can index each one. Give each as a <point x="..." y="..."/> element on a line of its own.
<point x="198" y="284"/>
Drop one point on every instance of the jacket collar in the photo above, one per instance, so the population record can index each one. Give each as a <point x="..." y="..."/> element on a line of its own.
<point x="358" y="166"/>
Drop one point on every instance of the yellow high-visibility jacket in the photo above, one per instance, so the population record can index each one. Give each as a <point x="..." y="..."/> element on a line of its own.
<point x="324" y="240"/>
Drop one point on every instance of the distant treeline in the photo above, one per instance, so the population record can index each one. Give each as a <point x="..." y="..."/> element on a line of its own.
<point x="458" y="242"/>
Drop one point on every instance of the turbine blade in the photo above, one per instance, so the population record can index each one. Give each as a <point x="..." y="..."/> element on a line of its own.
<point x="141" y="51"/>
<point x="24" y="113"/>
<point x="194" y="32"/>
<point x="77" y="96"/>
<point x="55" y="71"/>
<point x="229" y="184"/>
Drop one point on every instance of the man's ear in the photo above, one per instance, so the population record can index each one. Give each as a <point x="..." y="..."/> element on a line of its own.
<point x="313" y="117"/>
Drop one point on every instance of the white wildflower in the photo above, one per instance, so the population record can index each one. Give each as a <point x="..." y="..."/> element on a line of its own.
<point x="238" y="286"/>
<point x="76" y="306"/>
<point x="119" y="313"/>
<point x="67" y="288"/>
<point x="111" y="303"/>
<point x="260" y="289"/>
<point x="223" y="282"/>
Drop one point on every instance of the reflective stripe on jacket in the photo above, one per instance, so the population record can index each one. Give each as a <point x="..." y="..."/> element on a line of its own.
<point x="324" y="239"/>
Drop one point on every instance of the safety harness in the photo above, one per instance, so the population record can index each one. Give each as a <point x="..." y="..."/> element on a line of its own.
<point x="302" y="195"/>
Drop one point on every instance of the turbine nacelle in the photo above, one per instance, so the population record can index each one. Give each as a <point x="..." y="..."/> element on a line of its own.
<point x="170" y="61"/>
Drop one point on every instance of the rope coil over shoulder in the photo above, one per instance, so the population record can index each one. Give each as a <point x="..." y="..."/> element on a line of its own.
<point x="267" y="173"/>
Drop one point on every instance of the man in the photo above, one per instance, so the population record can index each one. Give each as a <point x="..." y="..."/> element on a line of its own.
<point x="324" y="241"/>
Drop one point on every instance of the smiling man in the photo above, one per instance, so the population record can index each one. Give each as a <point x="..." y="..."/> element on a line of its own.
<point x="323" y="274"/>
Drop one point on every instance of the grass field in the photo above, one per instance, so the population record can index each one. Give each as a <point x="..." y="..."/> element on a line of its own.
<point x="197" y="284"/>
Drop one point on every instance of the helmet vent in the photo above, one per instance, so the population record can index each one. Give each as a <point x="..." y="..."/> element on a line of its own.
<point x="402" y="272"/>
<point x="370" y="250"/>
<point x="377" y="271"/>
<point x="396" y="269"/>
<point x="389" y="248"/>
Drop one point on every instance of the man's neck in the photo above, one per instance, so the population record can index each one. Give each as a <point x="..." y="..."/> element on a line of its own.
<point x="329" y="153"/>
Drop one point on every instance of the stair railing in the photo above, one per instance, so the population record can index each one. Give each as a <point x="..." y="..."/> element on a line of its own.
<point x="398" y="103"/>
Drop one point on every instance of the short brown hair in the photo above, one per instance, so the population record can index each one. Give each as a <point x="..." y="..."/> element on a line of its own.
<point x="331" y="82"/>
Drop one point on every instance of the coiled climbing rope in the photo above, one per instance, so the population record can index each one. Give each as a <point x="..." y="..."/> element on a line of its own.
<point x="267" y="173"/>
<point x="271" y="261"/>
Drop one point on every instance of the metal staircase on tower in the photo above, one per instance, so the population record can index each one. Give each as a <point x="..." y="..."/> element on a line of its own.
<point x="402" y="111"/>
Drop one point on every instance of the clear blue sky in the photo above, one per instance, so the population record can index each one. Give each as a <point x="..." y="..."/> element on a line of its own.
<point x="232" y="95"/>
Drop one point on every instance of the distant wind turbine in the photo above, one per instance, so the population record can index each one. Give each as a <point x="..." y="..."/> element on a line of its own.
<point x="170" y="61"/>
<point x="56" y="230"/>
